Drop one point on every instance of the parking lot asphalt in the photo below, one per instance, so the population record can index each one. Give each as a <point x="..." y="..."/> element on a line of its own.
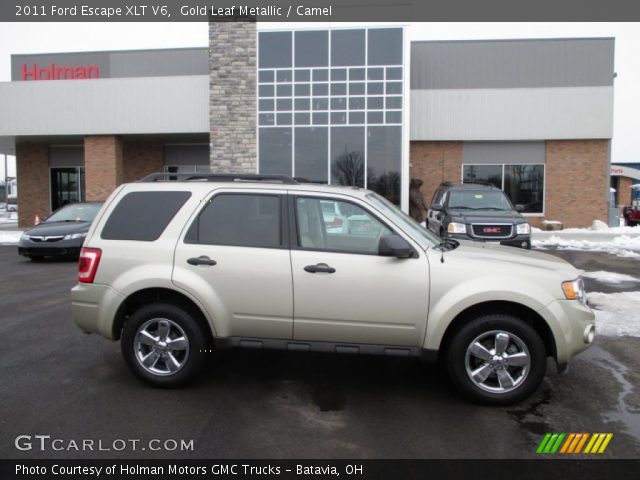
<point x="57" y="381"/>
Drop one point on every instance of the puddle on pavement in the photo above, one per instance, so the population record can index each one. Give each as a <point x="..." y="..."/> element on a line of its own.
<point x="329" y="400"/>
<point x="530" y="417"/>
<point x="624" y="414"/>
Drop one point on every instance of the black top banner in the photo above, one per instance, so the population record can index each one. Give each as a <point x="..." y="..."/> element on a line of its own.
<point x="317" y="10"/>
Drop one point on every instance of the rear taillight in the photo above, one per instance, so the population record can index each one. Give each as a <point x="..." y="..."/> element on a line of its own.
<point x="88" y="264"/>
<point x="337" y="222"/>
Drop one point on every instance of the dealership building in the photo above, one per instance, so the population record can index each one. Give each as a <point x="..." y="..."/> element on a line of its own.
<point x="358" y="106"/>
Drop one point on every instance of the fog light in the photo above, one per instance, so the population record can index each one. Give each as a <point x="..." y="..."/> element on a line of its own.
<point x="524" y="244"/>
<point x="589" y="334"/>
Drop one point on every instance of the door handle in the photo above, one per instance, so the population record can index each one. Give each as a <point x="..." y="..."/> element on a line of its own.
<point x="319" y="268"/>
<point x="201" y="260"/>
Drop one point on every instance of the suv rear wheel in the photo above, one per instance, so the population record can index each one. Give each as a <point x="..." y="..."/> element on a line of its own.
<point x="161" y="345"/>
<point x="496" y="359"/>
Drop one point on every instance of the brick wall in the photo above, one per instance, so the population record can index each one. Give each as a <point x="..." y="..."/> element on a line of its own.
<point x="435" y="162"/>
<point x="32" y="164"/>
<point x="141" y="159"/>
<point x="103" y="166"/>
<point x="624" y="190"/>
<point x="577" y="183"/>
<point x="232" y="96"/>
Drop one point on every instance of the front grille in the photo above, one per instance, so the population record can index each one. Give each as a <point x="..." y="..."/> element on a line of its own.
<point x="40" y="238"/>
<point x="492" y="230"/>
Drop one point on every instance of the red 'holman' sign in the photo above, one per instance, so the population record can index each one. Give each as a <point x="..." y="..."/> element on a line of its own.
<point x="55" y="72"/>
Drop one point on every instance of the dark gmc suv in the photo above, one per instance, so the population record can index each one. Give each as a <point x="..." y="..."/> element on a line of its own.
<point x="477" y="212"/>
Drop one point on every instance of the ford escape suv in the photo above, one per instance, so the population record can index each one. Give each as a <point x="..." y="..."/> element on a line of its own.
<point x="480" y="212"/>
<point x="176" y="265"/>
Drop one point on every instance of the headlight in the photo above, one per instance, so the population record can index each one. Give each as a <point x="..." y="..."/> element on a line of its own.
<point x="24" y="236"/>
<point x="574" y="290"/>
<point x="75" y="235"/>
<point x="523" y="229"/>
<point x="457" y="228"/>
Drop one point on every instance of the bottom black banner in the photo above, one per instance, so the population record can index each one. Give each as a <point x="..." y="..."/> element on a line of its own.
<point x="305" y="469"/>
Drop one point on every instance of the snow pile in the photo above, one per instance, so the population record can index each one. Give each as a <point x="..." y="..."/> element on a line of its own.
<point x="610" y="277"/>
<point x="9" y="238"/>
<point x="622" y="246"/>
<point x="617" y="314"/>
<point x="599" y="225"/>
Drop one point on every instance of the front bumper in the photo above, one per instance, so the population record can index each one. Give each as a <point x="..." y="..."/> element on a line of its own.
<point x="520" y="241"/>
<point x="570" y="322"/>
<point x="61" y="248"/>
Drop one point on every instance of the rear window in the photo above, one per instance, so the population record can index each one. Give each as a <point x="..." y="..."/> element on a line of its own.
<point x="241" y="220"/>
<point x="143" y="216"/>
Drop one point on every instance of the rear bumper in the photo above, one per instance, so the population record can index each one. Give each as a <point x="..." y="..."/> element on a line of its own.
<point x="94" y="308"/>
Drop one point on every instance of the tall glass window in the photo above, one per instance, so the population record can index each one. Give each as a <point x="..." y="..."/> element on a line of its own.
<point x="330" y="106"/>
<point x="523" y="184"/>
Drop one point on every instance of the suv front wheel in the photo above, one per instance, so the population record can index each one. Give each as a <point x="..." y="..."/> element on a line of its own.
<point x="496" y="359"/>
<point x="162" y="343"/>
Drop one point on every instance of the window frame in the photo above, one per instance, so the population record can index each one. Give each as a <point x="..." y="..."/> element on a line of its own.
<point x="284" y="218"/>
<point x="503" y="165"/>
<point x="293" y="224"/>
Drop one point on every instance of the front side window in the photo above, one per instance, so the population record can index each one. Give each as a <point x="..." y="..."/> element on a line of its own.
<point x="241" y="220"/>
<point x="335" y="225"/>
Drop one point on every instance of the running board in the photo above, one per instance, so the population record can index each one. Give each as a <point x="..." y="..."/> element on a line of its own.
<point x="323" y="347"/>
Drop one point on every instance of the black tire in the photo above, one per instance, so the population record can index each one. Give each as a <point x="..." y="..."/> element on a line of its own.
<point x="36" y="258"/>
<point x="518" y="333"/>
<point x="192" y="361"/>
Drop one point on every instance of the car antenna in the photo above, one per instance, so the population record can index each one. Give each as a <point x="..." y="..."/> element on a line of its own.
<point x="442" y="253"/>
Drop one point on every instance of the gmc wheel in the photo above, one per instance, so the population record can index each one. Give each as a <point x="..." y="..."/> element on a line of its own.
<point x="162" y="343"/>
<point x="496" y="359"/>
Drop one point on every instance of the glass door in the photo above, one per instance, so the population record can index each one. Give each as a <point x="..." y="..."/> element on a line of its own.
<point x="67" y="186"/>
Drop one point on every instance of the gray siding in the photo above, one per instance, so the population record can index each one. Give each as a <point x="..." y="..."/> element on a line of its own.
<point x="512" y="63"/>
<point x="105" y="106"/>
<point x="515" y="153"/>
<point x="134" y="63"/>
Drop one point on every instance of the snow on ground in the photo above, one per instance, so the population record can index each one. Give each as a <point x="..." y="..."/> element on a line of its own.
<point x="9" y="238"/>
<point x="617" y="314"/>
<point x="622" y="245"/>
<point x="610" y="277"/>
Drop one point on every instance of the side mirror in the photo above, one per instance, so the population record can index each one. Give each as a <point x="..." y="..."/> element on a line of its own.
<point x="520" y="208"/>
<point x="436" y="207"/>
<point x="394" y="246"/>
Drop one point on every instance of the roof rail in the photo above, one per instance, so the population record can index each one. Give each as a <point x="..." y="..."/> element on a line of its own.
<point x="480" y="182"/>
<point x="446" y="183"/>
<point x="217" y="177"/>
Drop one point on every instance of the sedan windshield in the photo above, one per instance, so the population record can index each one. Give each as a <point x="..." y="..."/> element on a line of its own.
<point x="78" y="212"/>
<point x="479" y="200"/>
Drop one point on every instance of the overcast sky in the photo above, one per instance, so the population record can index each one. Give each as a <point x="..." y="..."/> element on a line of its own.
<point x="63" y="37"/>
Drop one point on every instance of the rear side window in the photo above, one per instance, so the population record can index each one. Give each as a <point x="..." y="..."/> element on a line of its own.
<point x="143" y="216"/>
<point x="242" y="220"/>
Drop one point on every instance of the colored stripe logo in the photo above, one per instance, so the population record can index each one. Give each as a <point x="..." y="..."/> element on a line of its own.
<point x="571" y="443"/>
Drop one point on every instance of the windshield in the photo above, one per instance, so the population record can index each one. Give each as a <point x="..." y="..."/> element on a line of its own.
<point x="423" y="236"/>
<point x="478" y="200"/>
<point x="79" y="212"/>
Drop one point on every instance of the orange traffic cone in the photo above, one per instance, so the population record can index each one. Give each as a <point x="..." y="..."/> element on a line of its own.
<point x="36" y="219"/>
